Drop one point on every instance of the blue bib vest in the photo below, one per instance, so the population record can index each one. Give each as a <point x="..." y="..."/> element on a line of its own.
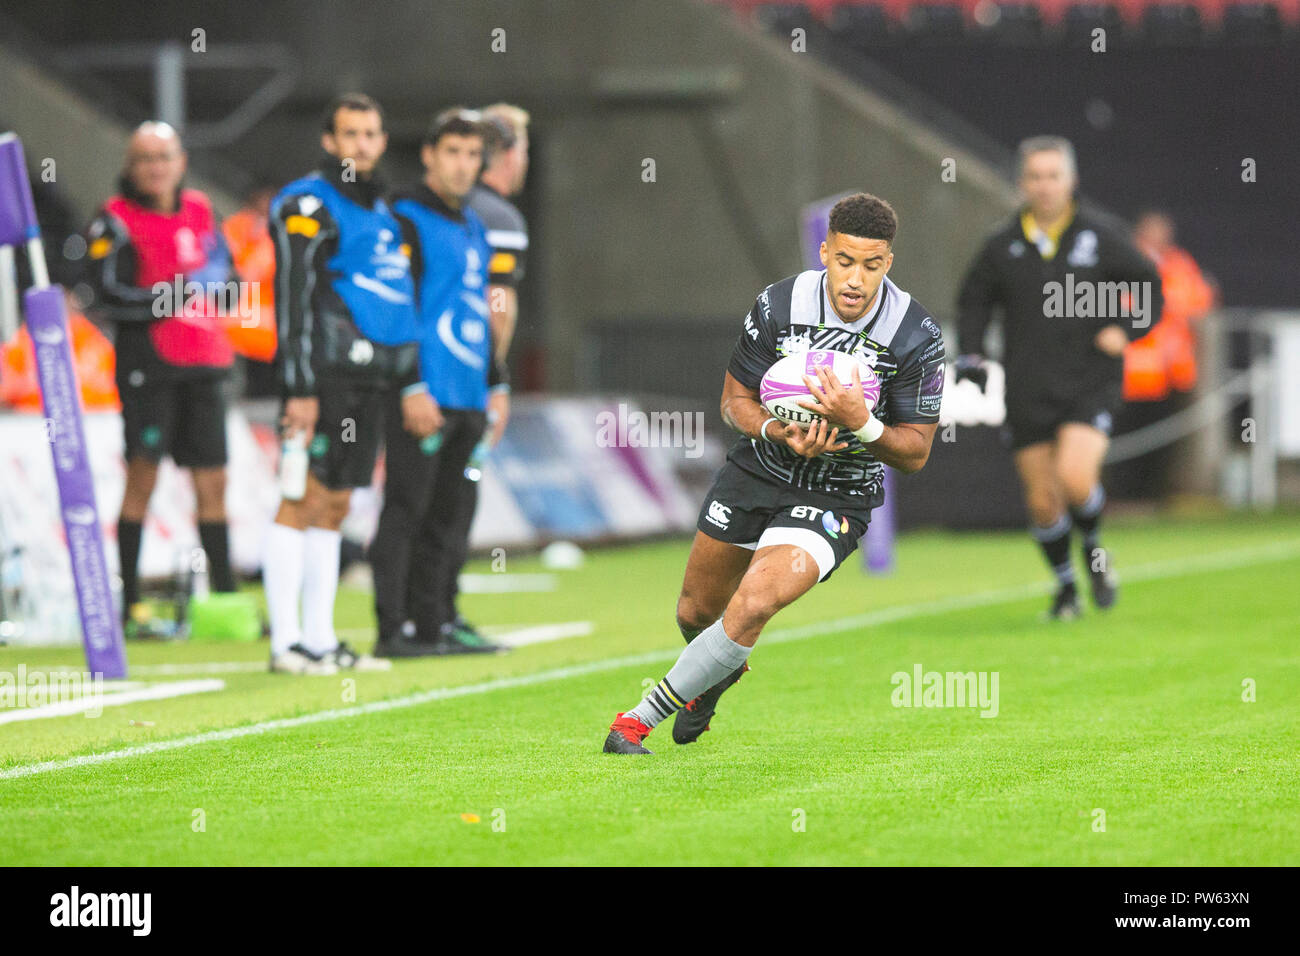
<point x="370" y="272"/>
<point x="456" y="339"/>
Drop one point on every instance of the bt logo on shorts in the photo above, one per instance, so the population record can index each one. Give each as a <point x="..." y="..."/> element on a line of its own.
<point x="719" y="514"/>
<point x="832" y="525"/>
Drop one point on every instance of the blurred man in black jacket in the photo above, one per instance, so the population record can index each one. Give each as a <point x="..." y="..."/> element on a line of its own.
<point x="1073" y="292"/>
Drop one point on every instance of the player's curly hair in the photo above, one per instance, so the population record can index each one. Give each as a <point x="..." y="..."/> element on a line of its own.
<point x="865" y="216"/>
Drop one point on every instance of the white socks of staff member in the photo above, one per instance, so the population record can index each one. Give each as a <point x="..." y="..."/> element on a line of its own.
<point x="301" y="569"/>
<point x="282" y="572"/>
<point x="320" y="585"/>
<point x="707" y="660"/>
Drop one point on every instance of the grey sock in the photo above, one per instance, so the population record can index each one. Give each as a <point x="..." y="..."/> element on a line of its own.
<point x="707" y="659"/>
<point x="1087" y="518"/>
<point x="1055" y="542"/>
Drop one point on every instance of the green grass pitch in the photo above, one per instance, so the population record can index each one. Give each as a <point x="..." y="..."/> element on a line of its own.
<point x="1139" y="714"/>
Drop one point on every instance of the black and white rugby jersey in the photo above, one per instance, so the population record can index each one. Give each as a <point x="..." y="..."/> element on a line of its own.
<point x="897" y="337"/>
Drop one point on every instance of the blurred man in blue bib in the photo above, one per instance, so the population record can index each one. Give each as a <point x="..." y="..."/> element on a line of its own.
<point x="418" y="534"/>
<point x="345" y="307"/>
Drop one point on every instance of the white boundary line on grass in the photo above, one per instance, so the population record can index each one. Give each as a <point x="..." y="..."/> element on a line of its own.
<point x="540" y="633"/>
<point x="197" y="667"/>
<point x="114" y="697"/>
<point x="507" y="583"/>
<point x="510" y="635"/>
<point x="1176" y="567"/>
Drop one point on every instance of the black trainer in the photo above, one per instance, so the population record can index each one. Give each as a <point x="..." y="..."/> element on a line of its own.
<point x="460" y="624"/>
<point x="1102" y="577"/>
<point x="457" y="640"/>
<point x="693" y="719"/>
<point x="1065" y="605"/>
<point x="399" y="645"/>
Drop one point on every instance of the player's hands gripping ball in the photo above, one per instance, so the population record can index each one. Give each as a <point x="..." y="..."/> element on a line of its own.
<point x="836" y="403"/>
<point x="817" y="440"/>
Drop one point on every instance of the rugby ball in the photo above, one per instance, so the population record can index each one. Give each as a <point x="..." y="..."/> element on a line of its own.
<point x="782" y="387"/>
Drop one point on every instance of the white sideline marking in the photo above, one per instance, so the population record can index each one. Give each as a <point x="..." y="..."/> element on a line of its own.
<point x="197" y="667"/>
<point x="171" y="670"/>
<point x="541" y="633"/>
<point x="506" y="583"/>
<point x="109" y="687"/>
<point x="358" y="576"/>
<point x="115" y="698"/>
<point x="1176" y="567"/>
<point x="536" y="634"/>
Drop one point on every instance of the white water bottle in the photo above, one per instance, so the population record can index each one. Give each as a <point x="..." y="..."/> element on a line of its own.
<point x="200" y="586"/>
<point x="293" y="467"/>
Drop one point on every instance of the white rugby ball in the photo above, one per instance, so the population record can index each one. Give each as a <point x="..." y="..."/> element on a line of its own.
<point x="783" y="387"/>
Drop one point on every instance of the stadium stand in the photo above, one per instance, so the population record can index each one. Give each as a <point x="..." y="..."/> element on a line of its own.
<point x="1256" y="18"/>
<point x="1155" y="120"/>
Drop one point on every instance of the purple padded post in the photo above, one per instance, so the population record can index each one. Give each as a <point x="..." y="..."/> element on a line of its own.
<point x="17" y="211"/>
<point x="100" y="627"/>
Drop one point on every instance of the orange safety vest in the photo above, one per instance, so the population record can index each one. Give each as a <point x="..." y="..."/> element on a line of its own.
<point x="92" y="355"/>
<point x="1165" y="358"/>
<point x="252" y="251"/>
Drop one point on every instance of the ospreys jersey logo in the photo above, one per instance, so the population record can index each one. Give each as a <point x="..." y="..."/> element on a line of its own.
<point x="793" y="343"/>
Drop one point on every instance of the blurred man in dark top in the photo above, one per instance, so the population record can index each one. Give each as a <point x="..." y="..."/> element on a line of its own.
<point x="1072" y="292"/>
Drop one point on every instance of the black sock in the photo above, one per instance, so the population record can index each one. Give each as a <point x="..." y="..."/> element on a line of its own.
<point x="1087" y="518"/>
<point x="215" y="537"/>
<point x="1055" y="542"/>
<point x="128" y="554"/>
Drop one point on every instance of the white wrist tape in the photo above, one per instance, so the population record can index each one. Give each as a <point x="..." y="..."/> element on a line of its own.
<point x="762" y="430"/>
<point x="872" y="430"/>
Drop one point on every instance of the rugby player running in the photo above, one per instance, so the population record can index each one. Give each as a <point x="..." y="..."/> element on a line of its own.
<point x="790" y="503"/>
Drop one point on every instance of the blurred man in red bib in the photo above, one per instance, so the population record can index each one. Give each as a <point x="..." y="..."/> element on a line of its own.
<point x="158" y="267"/>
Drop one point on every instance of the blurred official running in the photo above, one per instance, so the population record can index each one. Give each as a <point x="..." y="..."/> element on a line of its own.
<point x="1073" y="292"/>
<point x="172" y="352"/>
